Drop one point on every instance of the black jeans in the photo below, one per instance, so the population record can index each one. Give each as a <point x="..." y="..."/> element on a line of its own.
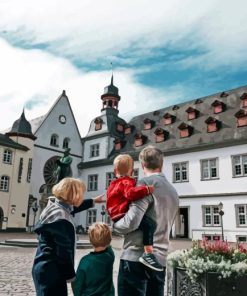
<point x="134" y="279"/>
<point x="148" y="227"/>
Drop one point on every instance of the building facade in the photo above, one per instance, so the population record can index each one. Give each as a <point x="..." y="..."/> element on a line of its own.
<point x="16" y="153"/>
<point x="204" y="142"/>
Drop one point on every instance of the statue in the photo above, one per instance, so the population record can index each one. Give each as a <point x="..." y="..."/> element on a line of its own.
<point x="63" y="169"/>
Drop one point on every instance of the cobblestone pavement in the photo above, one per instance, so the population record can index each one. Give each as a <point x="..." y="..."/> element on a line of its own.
<point x="16" y="264"/>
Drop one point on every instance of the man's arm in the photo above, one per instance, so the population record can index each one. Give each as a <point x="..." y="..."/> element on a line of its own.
<point x="133" y="217"/>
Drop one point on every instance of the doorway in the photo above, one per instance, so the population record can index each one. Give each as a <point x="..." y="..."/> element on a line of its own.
<point x="184" y="222"/>
<point x="1" y="218"/>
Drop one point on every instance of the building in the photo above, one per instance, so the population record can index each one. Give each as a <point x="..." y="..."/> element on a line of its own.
<point x="204" y="142"/>
<point x="16" y="153"/>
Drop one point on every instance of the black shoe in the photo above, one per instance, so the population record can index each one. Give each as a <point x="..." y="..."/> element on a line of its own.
<point x="150" y="261"/>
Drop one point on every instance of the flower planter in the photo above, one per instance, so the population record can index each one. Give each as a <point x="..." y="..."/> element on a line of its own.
<point x="209" y="284"/>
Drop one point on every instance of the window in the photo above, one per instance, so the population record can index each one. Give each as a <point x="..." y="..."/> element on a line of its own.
<point x="241" y="239"/>
<point x="66" y="143"/>
<point x="98" y="123"/>
<point x="239" y="164"/>
<point x="241" y="116"/>
<point x="54" y="140"/>
<point x="192" y="113"/>
<point x="109" y="178"/>
<point x="91" y="216"/>
<point x="136" y="174"/>
<point x="209" y="169"/>
<point x="180" y="172"/>
<point x="185" y="130"/>
<point x="29" y="170"/>
<point x="241" y="214"/>
<point x="7" y="156"/>
<point x="127" y="129"/>
<point x="211" y="216"/>
<point x="94" y="150"/>
<point x="4" y="184"/>
<point x="159" y="135"/>
<point x="117" y="144"/>
<point x="120" y="127"/>
<point x="20" y="170"/>
<point x="168" y="118"/>
<point x="92" y="182"/>
<point x="147" y="123"/>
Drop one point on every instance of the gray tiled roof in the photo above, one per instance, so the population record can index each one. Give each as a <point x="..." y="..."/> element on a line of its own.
<point x="7" y="142"/>
<point x="228" y="133"/>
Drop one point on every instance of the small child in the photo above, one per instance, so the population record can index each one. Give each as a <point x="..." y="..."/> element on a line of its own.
<point x="120" y="193"/>
<point x="94" y="273"/>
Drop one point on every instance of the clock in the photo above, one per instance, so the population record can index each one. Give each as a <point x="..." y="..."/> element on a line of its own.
<point x="62" y="119"/>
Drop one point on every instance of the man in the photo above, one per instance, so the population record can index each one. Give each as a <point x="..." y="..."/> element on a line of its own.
<point x="134" y="279"/>
<point x="63" y="169"/>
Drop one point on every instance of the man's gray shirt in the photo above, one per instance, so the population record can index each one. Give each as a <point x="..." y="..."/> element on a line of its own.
<point x="162" y="207"/>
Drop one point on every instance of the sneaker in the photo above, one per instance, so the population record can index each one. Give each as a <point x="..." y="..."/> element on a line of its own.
<point x="150" y="261"/>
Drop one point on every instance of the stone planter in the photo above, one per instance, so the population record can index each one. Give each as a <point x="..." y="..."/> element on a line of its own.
<point x="209" y="284"/>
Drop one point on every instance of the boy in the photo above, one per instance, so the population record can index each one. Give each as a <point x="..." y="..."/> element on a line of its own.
<point x="120" y="194"/>
<point x="94" y="273"/>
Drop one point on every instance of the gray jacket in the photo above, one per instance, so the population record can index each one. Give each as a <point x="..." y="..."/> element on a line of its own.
<point x="162" y="207"/>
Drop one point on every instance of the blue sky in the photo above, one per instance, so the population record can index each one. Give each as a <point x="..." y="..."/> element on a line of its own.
<point x="163" y="52"/>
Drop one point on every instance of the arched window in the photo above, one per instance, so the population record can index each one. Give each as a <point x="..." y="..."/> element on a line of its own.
<point x="7" y="156"/>
<point x="4" y="183"/>
<point x="54" y="140"/>
<point x="66" y="143"/>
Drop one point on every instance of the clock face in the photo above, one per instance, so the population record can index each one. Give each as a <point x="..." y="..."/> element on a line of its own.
<point x="62" y="119"/>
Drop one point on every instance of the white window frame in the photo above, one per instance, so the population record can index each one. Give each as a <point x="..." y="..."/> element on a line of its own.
<point x="242" y="165"/>
<point x="91" y="216"/>
<point x="4" y="183"/>
<point x="241" y="236"/>
<point x="66" y="143"/>
<point x="212" y="164"/>
<point x="7" y="156"/>
<point x="213" y="213"/>
<point x="54" y="140"/>
<point x="136" y="174"/>
<point x="93" y="182"/>
<point x="183" y="167"/>
<point x="94" y="150"/>
<point x="109" y="176"/>
<point x="241" y="215"/>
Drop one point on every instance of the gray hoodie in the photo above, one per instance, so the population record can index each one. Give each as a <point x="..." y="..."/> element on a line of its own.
<point x="162" y="207"/>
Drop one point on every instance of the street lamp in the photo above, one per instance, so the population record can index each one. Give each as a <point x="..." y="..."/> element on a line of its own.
<point x="102" y="212"/>
<point x="221" y="213"/>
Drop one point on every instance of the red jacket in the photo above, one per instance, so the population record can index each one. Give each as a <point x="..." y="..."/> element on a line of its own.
<point x="120" y="193"/>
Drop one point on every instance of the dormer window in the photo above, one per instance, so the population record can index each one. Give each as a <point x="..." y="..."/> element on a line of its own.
<point x="192" y="113"/>
<point x="198" y="101"/>
<point x="241" y="116"/>
<point x="224" y="95"/>
<point x="98" y="123"/>
<point x="168" y="118"/>
<point x="185" y="130"/>
<point x="244" y="100"/>
<point x="175" y="107"/>
<point x="159" y="135"/>
<point x="213" y="125"/>
<point x="147" y="123"/>
<point x="218" y="106"/>
<point x="139" y="140"/>
<point x="117" y="144"/>
<point x="120" y="127"/>
<point x="127" y="129"/>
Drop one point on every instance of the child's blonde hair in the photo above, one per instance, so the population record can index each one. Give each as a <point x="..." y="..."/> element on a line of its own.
<point x="123" y="164"/>
<point x="70" y="191"/>
<point x="99" y="234"/>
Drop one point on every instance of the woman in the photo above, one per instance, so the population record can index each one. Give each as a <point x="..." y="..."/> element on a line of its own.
<point x="53" y="265"/>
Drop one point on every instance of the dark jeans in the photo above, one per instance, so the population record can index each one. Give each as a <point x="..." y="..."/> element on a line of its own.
<point x="134" y="279"/>
<point x="148" y="227"/>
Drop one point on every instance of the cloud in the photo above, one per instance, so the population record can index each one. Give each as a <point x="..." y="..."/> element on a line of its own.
<point x="34" y="79"/>
<point x="94" y="31"/>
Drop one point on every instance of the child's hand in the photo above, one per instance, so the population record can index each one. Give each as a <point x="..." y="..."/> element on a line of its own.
<point x="100" y="198"/>
<point x="150" y="189"/>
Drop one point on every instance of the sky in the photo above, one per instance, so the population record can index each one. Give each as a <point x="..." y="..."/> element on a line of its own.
<point x="163" y="52"/>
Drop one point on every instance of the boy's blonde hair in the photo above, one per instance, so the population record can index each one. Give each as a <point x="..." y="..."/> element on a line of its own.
<point x="123" y="164"/>
<point x="99" y="234"/>
<point x="70" y="191"/>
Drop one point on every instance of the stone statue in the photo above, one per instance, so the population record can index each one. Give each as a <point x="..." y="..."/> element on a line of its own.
<point x="63" y="166"/>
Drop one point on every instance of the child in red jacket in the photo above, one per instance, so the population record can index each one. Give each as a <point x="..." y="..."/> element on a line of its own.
<point x="120" y="193"/>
